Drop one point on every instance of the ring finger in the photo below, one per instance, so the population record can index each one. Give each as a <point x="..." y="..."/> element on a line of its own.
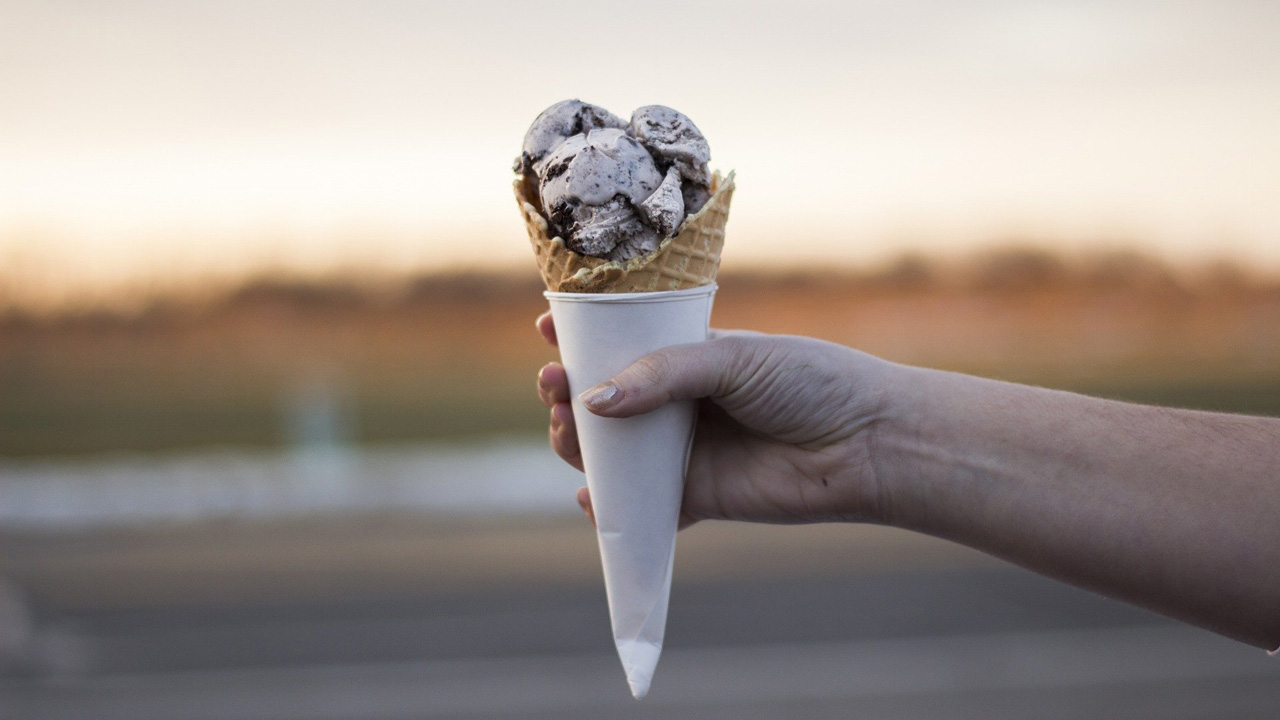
<point x="564" y="435"/>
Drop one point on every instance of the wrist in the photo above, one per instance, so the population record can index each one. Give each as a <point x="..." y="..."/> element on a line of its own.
<point x="838" y="470"/>
<point x="871" y="461"/>
<point x="905" y="460"/>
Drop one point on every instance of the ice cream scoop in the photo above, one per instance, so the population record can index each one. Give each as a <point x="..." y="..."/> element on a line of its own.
<point x="674" y="140"/>
<point x="592" y="187"/>
<point x="612" y="189"/>
<point x="558" y="122"/>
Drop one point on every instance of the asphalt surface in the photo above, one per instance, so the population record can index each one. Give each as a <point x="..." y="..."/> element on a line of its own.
<point x="972" y="643"/>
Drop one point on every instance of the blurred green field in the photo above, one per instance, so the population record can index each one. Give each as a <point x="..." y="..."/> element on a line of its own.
<point x="454" y="357"/>
<point x="30" y="426"/>
<point x="40" y="425"/>
<point x="1251" y="397"/>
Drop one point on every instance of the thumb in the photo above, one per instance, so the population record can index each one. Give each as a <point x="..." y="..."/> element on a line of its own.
<point x="680" y="372"/>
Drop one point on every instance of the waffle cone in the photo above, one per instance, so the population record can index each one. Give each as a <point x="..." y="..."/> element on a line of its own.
<point x="688" y="260"/>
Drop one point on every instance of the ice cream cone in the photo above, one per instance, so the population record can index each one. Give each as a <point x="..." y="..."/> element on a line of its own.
<point x="635" y="466"/>
<point x="608" y="314"/>
<point x="688" y="260"/>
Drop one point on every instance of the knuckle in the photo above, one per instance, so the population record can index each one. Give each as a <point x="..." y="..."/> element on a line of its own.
<point x="735" y="349"/>
<point x="738" y="358"/>
<point x="652" y="369"/>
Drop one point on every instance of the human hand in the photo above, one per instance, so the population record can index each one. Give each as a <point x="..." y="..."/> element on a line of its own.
<point x="785" y="424"/>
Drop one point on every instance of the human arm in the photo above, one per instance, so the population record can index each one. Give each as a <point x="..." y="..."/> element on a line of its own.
<point x="1174" y="510"/>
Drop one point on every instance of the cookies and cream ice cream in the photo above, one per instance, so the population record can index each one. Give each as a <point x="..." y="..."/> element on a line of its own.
<point x="614" y="189"/>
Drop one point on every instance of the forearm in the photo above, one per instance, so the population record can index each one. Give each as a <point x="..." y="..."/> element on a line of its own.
<point x="1173" y="510"/>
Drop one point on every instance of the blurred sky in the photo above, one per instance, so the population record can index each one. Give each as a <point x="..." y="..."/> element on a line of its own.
<point x="175" y="140"/>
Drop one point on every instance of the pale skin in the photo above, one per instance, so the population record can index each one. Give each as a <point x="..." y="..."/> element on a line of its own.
<point x="1177" y="511"/>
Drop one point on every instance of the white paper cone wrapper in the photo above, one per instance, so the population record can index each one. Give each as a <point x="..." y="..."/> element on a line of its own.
<point x="635" y="466"/>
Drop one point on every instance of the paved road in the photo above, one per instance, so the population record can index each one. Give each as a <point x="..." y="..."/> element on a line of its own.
<point x="923" y="644"/>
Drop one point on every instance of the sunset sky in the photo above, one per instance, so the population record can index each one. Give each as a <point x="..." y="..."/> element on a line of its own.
<point x="171" y="141"/>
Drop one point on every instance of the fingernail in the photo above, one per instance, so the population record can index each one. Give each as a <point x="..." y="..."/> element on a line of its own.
<point x="600" y="396"/>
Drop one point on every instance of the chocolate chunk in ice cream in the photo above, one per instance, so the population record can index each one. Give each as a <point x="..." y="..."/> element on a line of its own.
<point x="613" y="189"/>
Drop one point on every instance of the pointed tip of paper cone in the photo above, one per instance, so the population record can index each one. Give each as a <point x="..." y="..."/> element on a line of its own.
<point x="639" y="659"/>
<point x="639" y="686"/>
